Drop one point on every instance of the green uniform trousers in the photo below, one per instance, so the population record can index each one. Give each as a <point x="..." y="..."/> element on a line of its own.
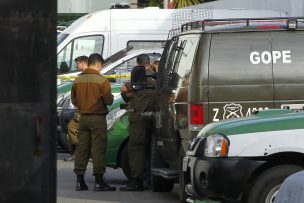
<point x="137" y="145"/>
<point x="73" y="131"/>
<point x="92" y="137"/>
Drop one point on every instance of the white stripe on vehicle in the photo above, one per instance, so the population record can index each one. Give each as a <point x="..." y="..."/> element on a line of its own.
<point x="266" y="143"/>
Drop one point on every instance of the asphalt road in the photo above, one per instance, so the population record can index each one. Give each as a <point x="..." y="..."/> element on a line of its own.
<point x="66" y="188"/>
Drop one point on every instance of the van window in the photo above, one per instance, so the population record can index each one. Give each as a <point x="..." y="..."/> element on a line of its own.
<point x="61" y="37"/>
<point x="179" y="62"/>
<point x="63" y="60"/>
<point x="126" y="67"/>
<point x="146" y="44"/>
<point x="288" y="68"/>
<point x="167" y="64"/>
<point x="77" y="47"/>
<point x="188" y="46"/>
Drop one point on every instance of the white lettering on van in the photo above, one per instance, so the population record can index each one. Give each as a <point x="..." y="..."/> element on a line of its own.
<point x="266" y="57"/>
<point x="216" y="110"/>
<point x="234" y="111"/>
<point x="276" y="56"/>
<point x="254" y="58"/>
<point x="286" y="56"/>
<point x="252" y="110"/>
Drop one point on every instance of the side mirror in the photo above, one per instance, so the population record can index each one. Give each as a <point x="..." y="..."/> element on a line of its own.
<point x="138" y="78"/>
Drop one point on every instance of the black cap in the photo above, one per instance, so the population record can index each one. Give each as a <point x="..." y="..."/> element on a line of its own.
<point x="81" y="58"/>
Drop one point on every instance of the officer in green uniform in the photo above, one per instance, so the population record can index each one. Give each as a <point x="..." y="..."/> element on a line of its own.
<point x="91" y="93"/>
<point x="140" y="102"/>
<point x="81" y="64"/>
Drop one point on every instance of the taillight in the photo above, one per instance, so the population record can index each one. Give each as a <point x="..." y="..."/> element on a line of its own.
<point x="196" y="114"/>
<point x="264" y="27"/>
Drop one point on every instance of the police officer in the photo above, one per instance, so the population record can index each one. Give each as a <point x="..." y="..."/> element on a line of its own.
<point x="81" y="64"/>
<point x="139" y="102"/>
<point x="91" y="92"/>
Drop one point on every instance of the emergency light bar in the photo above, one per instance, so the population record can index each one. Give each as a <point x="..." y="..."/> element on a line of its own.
<point x="245" y="24"/>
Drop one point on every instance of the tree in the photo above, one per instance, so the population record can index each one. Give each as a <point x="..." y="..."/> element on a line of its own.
<point x="155" y="3"/>
<point x="176" y="3"/>
<point x="185" y="3"/>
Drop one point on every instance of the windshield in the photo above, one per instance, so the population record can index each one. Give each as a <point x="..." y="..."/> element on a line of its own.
<point x="84" y="45"/>
<point x="115" y="57"/>
<point x="61" y="37"/>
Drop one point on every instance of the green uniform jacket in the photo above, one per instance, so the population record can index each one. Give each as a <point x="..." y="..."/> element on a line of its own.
<point x="139" y="102"/>
<point x="91" y="92"/>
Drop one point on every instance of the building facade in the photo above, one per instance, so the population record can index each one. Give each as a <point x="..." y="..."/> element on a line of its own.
<point x="88" y="6"/>
<point x="70" y="10"/>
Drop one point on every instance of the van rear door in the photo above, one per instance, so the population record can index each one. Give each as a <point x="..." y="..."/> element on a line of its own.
<point x="240" y="74"/>
<point x="288" y="68"/>
<point x="173" y="85"/>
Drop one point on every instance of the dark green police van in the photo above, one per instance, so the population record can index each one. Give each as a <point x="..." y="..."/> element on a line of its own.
<point x="221" y="69"/>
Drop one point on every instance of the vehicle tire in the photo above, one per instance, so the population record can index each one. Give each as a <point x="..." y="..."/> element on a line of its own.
<point x="63" y="137"/>
<point x="124" y="161"/>
<point x="268" y="183"/>
<point x="63" y="141"/>
<point x="159" y="184"/>
<point x="182" y="179"/>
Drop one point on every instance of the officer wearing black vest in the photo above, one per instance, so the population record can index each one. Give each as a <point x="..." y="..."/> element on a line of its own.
<point x="141" y="99"/>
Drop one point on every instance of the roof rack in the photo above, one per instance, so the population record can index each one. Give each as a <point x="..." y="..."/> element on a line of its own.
<point x="293" y="23"/>
<point x="173" y="33"/>
<point x="182" y="16"/>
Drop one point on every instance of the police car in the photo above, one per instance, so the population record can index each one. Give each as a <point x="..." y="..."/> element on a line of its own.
<point x="245" y="159"/>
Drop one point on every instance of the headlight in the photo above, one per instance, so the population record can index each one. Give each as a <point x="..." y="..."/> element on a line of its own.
<point x="216" y="146"/>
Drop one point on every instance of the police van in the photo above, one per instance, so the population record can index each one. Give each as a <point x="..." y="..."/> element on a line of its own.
<point x="221" y="69"/>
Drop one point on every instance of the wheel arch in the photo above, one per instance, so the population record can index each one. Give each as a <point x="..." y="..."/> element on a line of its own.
<point x="282" y="158"/>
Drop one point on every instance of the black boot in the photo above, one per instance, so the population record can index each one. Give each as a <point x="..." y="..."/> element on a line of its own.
<point x="71" y="157"/>
<point x="136" y="184"/>
<point x="100" y="184"/>
<point x="80" y="184"/>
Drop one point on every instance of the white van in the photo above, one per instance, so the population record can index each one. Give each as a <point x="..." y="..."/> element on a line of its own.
<point x="109" y="31"/>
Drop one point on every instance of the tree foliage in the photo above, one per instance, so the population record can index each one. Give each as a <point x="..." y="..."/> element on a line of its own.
<point x="155" y="3"/>
<point x="185" y="3"/>
<point x="176" y="3"/>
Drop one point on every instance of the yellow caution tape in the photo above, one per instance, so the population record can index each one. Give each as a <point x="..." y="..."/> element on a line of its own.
<point x="118" y="76"/>
<point x="68" y="77"/>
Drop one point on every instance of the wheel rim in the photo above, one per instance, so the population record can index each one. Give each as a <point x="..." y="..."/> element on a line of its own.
<point x="272" y="194"/>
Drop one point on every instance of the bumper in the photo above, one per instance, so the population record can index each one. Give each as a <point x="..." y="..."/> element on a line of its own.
<point x="218" y="178"/>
